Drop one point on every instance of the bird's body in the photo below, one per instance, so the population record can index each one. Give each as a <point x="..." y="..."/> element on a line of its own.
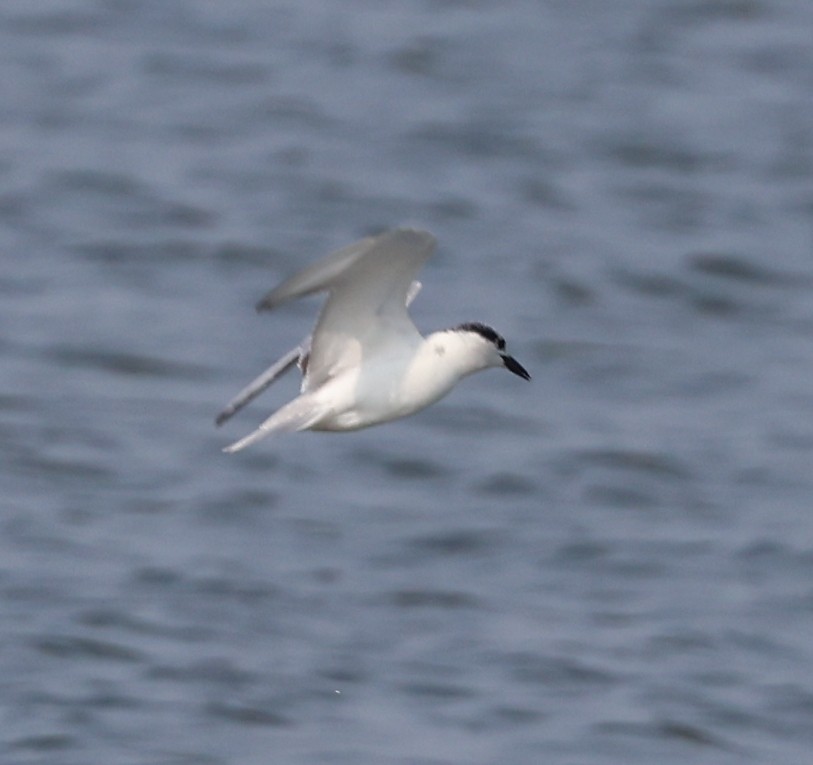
<point x="366" y="363"/>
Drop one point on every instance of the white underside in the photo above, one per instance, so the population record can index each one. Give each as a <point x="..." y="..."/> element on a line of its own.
<point x="366" y="361"/>
<point x="376" y="391"/>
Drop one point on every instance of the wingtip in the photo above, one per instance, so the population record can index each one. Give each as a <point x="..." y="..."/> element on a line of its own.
<point x="419" y="236"/>
<point x="236" y="446"/>
<point x="224" y="415"/>
<point x="248" y="440"/>
<point x="268" y="301"/>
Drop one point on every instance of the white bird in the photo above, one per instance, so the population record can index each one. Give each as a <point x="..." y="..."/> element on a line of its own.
<point x="366" y="362"/>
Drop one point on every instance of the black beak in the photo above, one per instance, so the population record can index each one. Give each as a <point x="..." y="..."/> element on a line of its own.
<point x="512" y="365"/>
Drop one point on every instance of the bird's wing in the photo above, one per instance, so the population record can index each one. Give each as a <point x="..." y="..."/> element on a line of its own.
<point x="369" y="285"/>
<point x="298" y="355"/>
<point x="299" y="414"/>
<point x="261" y="382"/>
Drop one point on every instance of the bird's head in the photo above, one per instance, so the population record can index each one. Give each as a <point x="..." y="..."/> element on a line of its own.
<point x="483" y="347"/>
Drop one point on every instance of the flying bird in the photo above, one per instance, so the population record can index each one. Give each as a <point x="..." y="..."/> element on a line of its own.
<point x="366" y="363"/>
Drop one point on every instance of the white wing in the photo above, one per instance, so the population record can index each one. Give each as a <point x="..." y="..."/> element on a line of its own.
<point x="298" y="356"/>
<point x="370" y="284"/>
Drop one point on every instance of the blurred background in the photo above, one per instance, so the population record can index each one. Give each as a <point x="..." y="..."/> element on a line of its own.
<point x="613" y="563"/>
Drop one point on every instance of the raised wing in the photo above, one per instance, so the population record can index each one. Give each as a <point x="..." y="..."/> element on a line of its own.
<point x="369" y="285"/>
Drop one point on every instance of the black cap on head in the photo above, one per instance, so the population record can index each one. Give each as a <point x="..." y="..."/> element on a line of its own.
<point x="485" y="331"/>
<point x="510" y="363"/>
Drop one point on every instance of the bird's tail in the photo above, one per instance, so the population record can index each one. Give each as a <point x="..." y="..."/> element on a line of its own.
<point x="300" y="414"/>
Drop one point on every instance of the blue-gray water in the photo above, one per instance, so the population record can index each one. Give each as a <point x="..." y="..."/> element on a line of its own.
<point x="611" y="564"/>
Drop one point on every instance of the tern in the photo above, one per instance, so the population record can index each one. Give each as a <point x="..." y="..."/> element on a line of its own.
<point x="366" y="363"/>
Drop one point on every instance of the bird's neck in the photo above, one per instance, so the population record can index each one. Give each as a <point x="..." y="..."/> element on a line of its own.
<point x="438" y="364"/>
